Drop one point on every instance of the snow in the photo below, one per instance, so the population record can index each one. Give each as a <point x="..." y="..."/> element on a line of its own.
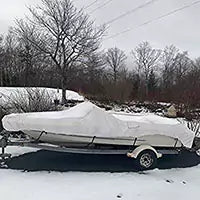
<point x="164" y="104"/>
<point x="152" y="185"/>
<point x="146" y="118"/>
<point x="8" y="92"/>
<point x="17" y="150"/>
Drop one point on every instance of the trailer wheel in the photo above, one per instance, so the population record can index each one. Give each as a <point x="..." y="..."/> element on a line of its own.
<point x="146" y="160"/>
<point x="198" y="152"/>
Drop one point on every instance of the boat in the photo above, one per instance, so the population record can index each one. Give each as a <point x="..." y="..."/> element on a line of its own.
<point x="87" y="124"/>
<point x="88" y="129"/>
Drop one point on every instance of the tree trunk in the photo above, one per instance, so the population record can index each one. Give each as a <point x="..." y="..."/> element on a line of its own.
<point x="146" y="85"/>
<point x="115" y="76"/>
<point x="1" y="75"/>
<point x="63" y="85"/>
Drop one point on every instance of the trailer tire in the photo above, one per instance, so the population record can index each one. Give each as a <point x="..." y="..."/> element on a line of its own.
<point x="197" y="152"/>
<point x="146" y="160"/>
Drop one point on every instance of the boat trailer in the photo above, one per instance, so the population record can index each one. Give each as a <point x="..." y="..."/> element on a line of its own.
<point x="6" y="140"/>
<point x="137" y="152"/>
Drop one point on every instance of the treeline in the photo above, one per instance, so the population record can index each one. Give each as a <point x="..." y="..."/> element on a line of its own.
<point x="157" y="75"/>
<point x="51" y="51"/>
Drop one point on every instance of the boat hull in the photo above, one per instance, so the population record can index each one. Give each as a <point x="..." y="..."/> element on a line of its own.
<point x="82" y="141"/>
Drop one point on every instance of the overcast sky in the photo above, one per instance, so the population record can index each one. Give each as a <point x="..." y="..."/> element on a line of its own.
<point x="181" y="29"/>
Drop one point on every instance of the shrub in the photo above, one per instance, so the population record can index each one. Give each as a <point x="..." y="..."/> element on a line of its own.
<point x="29" y="100"/>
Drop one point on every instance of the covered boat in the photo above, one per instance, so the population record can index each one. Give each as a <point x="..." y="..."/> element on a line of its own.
<point x="87" y="124"/>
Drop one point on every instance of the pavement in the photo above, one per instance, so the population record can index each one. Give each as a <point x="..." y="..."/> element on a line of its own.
<point x="56" y="161"/>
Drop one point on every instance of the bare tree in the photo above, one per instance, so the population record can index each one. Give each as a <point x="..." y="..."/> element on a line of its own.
<point x="169" y="61"/>
<point x="182" y="66"/>
<point x="8" y="58"/>
<point x="175" y="65"/>
<point x="61" y="32"/>
<point x="12" y="68"/>
<point x="94" y="68"/>
<point x="115" y="59"/>
<point x="1" y="60"/>
<point x="146" y="59"/>
<point x="94" y="65"/>
<point x="188" y="86"/>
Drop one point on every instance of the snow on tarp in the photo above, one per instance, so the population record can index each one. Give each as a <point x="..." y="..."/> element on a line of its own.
<point x="86" y="119"/>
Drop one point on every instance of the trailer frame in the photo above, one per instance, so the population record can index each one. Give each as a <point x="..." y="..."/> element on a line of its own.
<point x="134" y="151"/>
<point x="6" y="141"/>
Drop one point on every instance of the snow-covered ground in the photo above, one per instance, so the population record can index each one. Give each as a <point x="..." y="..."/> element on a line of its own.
<point x="170" y="184"/>
<point x="17" y="150"/>
<point x="8" y="92"/>
<point x="153" y="185"/>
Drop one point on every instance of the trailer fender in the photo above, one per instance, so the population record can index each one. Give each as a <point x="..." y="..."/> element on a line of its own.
<point x="138" y="150"/>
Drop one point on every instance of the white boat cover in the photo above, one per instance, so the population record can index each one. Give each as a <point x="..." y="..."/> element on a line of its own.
<point x="86" y="119"/>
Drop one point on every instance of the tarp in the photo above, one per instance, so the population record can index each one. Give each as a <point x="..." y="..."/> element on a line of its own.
<point x="86" y="119"/>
